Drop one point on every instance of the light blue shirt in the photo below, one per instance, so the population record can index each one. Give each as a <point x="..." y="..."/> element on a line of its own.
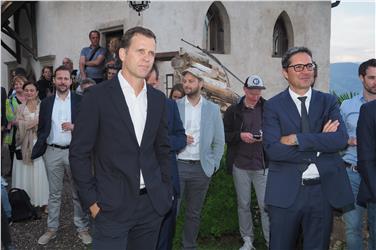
<point x="97" y="71"/>
<point x="350" y="113"/>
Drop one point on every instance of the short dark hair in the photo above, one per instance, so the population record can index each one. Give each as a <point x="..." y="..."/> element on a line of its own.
<point x="62" y="68"/>
<point x="154" y="68"/>
<point x="41" y="74"/>
<point x="126" y="39"/>
<point x="364" y="66"/>
<point x="292" y="51"/>
<point x="19" y="71"/>
<point x="94" y="31"/>
<point x="30" y="83"/>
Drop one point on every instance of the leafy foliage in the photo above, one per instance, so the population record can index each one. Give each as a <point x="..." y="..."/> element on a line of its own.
<point x="344" y="96"/>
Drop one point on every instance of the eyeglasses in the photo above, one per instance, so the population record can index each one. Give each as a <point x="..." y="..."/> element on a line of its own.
<point x="300" y="67"/>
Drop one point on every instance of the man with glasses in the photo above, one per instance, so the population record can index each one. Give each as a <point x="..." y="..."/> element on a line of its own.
<point x="302" y="134"/>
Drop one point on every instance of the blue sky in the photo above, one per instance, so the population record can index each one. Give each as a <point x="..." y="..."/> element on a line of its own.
<point x="353" y="31"/>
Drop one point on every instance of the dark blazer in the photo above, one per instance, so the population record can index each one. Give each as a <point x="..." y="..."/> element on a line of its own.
<point x="105" y="130"/>
<point x="45" y="118"/>
<point x="366" y="134"/>
<point x="178" y="140"/>
<point x="287" y="163"/>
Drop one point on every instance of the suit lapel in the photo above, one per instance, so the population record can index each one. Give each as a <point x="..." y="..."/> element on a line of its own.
<point x="181" y="108"/>
<point x="73" y="107"/>
<point x="152" y="110"/>
<point x="315" y="112"/>
<point x="204" y="112"/>
<point x="291" y="109"/>
<point x="50" y="107"/>
<point x="118" y="99"/>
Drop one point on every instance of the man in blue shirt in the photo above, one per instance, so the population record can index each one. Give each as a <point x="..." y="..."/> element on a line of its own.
<point x="92" y="59"/>
<point x="350" y="114"/>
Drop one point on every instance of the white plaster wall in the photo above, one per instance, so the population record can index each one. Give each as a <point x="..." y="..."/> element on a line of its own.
<point x="63" y="30"/>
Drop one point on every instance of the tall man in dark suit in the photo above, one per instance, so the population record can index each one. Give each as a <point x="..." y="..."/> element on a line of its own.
<point x="303" y="133"/>
<point x="366" y="149"/>
<point x="178" y="140"/>
<point x="57" y="117"/>
<point x="123" y="125"/>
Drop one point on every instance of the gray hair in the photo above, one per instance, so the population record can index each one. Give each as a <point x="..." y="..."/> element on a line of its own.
<point x="88" y="80"/>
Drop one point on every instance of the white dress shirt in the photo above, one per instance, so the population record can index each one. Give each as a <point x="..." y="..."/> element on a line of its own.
<point x="192" y="122"/>
<point x="311" y="171"/>
<point x="61" y="112"/>
<point x="137" y="106"/>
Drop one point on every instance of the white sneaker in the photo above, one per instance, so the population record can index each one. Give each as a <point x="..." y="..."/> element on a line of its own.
<point x="46" y="237"/>
<point x="247" y="244"/>
<point x="85" y="237"/>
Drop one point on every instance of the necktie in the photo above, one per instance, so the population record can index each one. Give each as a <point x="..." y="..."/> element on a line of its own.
<point x="304" y="115"/>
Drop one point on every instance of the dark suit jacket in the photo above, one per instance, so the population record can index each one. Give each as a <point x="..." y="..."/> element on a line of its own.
<point x="287" y="163"/>
<point x="105" y="130"/>
<point x="45" y="118"/>
<point x="178" y="140"/>
<point x="366" y="134"/>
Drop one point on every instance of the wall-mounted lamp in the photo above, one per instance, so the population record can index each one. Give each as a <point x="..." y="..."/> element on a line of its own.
<point x="139" y="5"/>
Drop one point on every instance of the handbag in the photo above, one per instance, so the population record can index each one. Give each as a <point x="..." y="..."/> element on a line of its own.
<point x="18" y="154"/>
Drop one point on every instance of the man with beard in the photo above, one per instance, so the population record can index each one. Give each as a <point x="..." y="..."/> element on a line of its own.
<point x="56" y="122"/>
<point x="350" y="113"/>
<point x="200" y="159"/>
<point x="123" y="124"/>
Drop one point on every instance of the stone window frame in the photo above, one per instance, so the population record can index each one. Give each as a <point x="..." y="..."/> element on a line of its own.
<point x="217" y="34"/>
<point x="283" y="35"/>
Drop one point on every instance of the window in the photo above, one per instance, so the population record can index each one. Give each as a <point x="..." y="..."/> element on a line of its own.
<point x="217" y="29"/>
<point x="282" y="35"/>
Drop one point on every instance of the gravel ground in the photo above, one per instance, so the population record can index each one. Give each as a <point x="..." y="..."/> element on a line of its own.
<point x="26" y="234"/>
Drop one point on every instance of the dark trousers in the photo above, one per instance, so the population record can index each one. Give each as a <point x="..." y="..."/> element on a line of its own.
<point x="5" y="235"/>
<point x="311" y="212"/>
<point x="139" y="232"/>
<point x="167" y="230"/>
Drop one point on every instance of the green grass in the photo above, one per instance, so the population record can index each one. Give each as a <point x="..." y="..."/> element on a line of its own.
<point x="219" y="221"/>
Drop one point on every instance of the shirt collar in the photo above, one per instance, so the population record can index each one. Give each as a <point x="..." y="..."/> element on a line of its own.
<point x="188" y="103"/>
<point x="362" y="99"/>
<point x="66" y="98"/>
<point x="124" y="84"/>
<point x="295" y="96"/>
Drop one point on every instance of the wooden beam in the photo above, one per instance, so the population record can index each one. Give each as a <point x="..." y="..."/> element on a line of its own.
<point x="7" y="30"/>
<point x="166" y="56"/>
<point x="5" y="46"/>
<point x="7" y="12"/>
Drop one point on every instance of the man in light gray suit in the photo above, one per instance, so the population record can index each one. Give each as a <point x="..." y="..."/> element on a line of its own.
<point x="200" y="159"/>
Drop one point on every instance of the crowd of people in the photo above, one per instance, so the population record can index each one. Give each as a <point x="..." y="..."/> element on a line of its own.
<point x="132" y="155"/>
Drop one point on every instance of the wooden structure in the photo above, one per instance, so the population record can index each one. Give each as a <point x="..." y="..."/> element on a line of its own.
<point x="216" y="85"/>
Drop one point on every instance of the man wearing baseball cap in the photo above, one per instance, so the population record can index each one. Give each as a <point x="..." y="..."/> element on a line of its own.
<point x="245" y="157"/>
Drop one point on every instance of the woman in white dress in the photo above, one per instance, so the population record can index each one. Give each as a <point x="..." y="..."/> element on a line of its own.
<point x="28" y="174"/>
